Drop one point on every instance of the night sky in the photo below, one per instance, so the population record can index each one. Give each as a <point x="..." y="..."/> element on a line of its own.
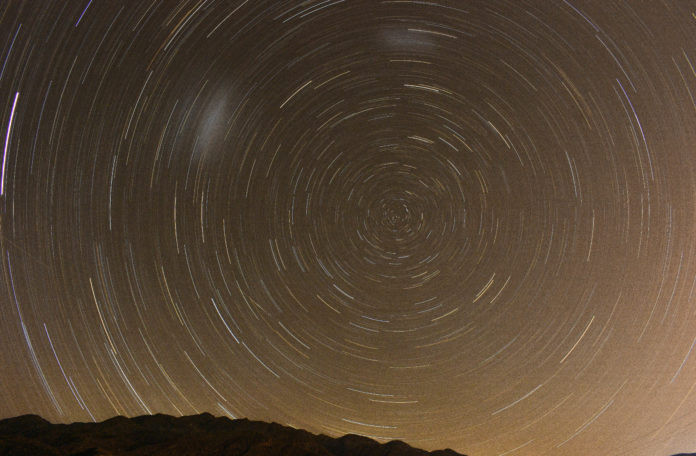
<point x="465" y="224"/>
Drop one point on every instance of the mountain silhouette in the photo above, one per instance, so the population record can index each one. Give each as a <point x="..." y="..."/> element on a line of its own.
<point x="155" y="435"/>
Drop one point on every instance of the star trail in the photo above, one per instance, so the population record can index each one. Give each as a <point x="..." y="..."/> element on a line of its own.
<point x="466" y="224"/>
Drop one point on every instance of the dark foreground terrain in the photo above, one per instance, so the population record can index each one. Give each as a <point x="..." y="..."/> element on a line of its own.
<point x="30" y="435"/>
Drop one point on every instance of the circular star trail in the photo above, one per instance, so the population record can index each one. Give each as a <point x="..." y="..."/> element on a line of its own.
<point x="464" y="224"/>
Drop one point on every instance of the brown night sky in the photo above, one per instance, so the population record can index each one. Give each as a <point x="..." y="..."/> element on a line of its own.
<point x="465" y="224"/>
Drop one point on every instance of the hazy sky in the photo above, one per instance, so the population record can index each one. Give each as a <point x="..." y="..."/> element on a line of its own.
<point x="465" y="224"/>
